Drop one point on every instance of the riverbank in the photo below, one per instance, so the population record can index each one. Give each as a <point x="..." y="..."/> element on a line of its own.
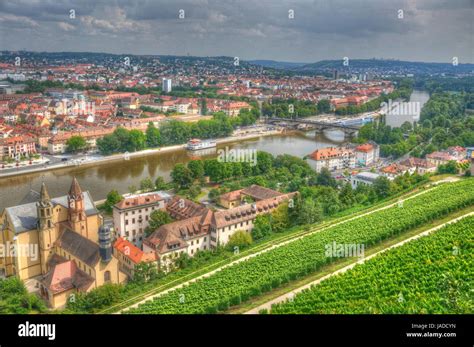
<point x="98" y="160"/>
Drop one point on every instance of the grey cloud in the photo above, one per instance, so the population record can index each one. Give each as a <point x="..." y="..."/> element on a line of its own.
<point x="431" y="30"/>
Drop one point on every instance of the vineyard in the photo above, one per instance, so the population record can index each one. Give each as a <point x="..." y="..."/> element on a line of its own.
<point x="260" y="274"/>
<point x="431" y="275"/>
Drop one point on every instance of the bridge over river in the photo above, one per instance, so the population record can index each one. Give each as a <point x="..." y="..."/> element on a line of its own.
<point x="349" y="130"/>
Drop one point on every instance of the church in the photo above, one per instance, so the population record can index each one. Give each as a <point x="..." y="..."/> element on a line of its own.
<point x="61" y="242"/>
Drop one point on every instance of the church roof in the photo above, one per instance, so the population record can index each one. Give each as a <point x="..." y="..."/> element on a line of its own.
<point x="79" y="246"/>
<point x="65" y="276"/>
<point x="24" y="217"/>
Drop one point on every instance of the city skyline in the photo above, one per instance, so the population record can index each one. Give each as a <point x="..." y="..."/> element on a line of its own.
<point x="430" y="31"/>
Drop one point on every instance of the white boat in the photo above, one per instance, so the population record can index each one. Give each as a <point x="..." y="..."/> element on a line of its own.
<point x="196" y="144"/>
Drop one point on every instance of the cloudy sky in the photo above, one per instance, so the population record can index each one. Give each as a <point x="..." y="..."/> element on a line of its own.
<point x="430" y="30"/>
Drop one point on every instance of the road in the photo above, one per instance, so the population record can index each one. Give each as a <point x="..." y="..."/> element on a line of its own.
<point x="290" y="295"/>
<point x="153" y="296"/>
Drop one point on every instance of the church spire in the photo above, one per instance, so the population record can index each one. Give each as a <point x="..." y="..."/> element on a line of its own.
<point x="75" y="190"/>
<point x="44" y="195"/>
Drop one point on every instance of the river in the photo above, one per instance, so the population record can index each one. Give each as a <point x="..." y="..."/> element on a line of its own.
<point x="122" y="174"/>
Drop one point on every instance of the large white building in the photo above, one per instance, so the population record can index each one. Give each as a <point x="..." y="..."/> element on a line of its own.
<point x="166" y="86"/>
<point x="332" y="158"/>
<point x="367" y="154"/>
<point x="131" y="215"/>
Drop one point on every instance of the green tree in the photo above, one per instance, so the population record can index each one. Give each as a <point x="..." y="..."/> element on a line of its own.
<point x="145" y="272"/>
<point x="261" y="227"/>
<point x="324" y="178"/>
<point x="153" y="137"/>
<point x="136" y="141"/>
<point x="280" y="219"/>
<point x="324" y="106"/>
<point x="382" y="187"/>
<point x="75" y="144"/>
<point x="213" y="195"/>
<point x="157" y="219"/>
<point x="240" y="239"/>
<point x="448" y="168"/>
<point x="146" y="184"/>
<point x="310" y="212"/>
<point x="160" y="183"/>
<point x="113" y="197"/>
<point x="197" y="168"/>
<point x="182" y="176"/>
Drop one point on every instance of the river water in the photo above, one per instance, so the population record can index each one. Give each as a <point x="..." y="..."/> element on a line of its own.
<point x="122" y="174"/>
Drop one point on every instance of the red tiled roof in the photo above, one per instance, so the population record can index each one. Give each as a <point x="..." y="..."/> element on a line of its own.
<point x="132" y="252"/>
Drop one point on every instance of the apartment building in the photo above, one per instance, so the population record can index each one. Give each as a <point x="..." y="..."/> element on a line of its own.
<point x="332" y="158"/>
<point x="132" y="215"/>
<point x="17" y="146"/>
<point x="367" y="154"/>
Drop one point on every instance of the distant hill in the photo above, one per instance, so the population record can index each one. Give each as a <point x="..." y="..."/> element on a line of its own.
<point x="384" y="66"/>
<point x="276" y="64"/>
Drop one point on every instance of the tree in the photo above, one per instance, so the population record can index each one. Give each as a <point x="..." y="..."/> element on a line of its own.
<point x="182" y="176"/>
<point x="213" y="195"/>
<point x="197" y="168"/>
<point x="112" y="198"/>
<point x="324" y="106"/>
<point x="324" y="178"/>
<point x="346" y="195"/>
<point x="240" y="239"/>
<point x="75" y="144"/>
<point x="183" y="261"/>
<point x="153" y="137"/>
<point x="448" y="168"/>
<point x="146" y="184"/>
<point x="203" y="106"/>
<point x="194" y="191"/>
<point x="14" y="298"/>
<point x="310" y="212"/>
<point x="144" y="272"/>
<point x="136" y="141"/>
<point x="261" y="227"/>
<point x="157" y="219"/>
<point x="109" y="144"/>
<point x="280" y="219"/>
<point x="160" y="183"/>
<point x="382" y="187"/>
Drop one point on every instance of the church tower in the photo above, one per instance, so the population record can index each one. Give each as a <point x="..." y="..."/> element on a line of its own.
<point x="76" y="213"/>
<point x="46" y="231"/>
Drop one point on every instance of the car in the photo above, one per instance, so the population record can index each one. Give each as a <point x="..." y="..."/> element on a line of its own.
<point x="64" y="159"/>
